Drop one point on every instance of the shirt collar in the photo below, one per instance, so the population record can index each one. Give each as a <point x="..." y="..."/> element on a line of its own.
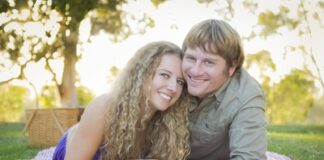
<point x="219" y="94"/>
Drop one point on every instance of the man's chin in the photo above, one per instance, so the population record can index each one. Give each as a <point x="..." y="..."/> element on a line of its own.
<point x="195" y="92"/>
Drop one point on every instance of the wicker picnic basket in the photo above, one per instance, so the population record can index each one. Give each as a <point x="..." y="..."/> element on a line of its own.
<point x="46" y="126"/>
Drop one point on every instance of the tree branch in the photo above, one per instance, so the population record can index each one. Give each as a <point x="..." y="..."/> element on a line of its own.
<point x="52" y="72"/>
<point x="35" y="90"/>
<point x="311" y="47"/>
<point x="20" y="75"/>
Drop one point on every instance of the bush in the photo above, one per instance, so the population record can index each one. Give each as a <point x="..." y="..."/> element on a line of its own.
<point x="12" y="102"/>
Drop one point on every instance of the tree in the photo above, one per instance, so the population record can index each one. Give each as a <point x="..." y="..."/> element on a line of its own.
<point x="44" y="31"/>
<point x="297" y="21"/>
<point x="287" y="18"/>
<point x="290" y="100"/>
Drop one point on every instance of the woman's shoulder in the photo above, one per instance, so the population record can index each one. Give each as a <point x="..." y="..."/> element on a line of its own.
<point x="100" y="100"/>
<point x="99" y="103"/>
<point x="97" y="108"/>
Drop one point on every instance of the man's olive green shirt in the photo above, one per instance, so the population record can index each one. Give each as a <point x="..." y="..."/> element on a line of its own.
<point x="230" y="124"/>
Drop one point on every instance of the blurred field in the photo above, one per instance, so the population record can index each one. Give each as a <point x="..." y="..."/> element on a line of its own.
<point x="299" y="142"/>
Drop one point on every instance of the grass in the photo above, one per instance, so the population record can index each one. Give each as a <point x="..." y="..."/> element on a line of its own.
<point x="299" y="142"/>
<point x="13" y="144"/>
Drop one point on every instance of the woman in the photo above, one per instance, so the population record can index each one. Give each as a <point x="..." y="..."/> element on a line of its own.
<point x="143" y="116"/>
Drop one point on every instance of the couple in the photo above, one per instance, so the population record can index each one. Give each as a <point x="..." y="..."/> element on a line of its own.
<point x="149" y="114"/>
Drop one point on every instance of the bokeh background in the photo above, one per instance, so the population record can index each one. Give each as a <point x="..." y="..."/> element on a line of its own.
<point x="63" y="53"/>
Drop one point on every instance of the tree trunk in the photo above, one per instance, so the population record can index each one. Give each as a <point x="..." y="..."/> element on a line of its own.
<point x="67" y="88"/>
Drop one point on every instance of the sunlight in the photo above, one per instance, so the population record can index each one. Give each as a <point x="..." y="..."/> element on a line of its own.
<point x="172" y="22"/>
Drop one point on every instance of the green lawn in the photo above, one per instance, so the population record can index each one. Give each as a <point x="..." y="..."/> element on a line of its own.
<point x="299" y="142"/>
<point x="296" y="141"/>
<point x="13" y="144"/>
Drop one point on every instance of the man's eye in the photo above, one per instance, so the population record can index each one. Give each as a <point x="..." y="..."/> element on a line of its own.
<point x="189" y="58"/>
<point x="209" y="62"/>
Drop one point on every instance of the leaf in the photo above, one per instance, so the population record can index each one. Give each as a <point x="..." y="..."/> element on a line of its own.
<point x="262" y="59"/>
<point x="4" y="6"/>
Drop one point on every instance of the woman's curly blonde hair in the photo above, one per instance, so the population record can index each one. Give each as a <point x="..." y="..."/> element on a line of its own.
<point x="132" y="134"/>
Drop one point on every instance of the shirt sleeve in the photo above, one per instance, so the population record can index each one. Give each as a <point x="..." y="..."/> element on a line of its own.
<point x="247" y="133"/>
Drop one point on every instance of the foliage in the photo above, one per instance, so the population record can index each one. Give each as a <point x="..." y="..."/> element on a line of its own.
<point x="291" y="99"/>
<point x="315" y="116"/>
<point x="12" y="101"/>
<point x="49" y="97"/>
<point x="264" y="62"/>
<point x="85" y="95"/>
<point x="298" y="21"/>
<point x="113" y="72"/>
<point x="58" y="21"/>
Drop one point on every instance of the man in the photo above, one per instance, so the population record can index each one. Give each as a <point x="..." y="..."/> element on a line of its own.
<point x="227" y="119"/>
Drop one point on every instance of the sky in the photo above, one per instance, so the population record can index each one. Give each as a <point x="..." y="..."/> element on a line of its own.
<point x="173" y="19"/>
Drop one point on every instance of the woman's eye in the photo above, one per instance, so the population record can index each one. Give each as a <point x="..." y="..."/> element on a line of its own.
<point x="180" y="82"/>
<point x="164" y="75"/>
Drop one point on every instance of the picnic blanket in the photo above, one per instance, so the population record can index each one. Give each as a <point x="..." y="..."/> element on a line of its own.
<point x="47" y="154"/>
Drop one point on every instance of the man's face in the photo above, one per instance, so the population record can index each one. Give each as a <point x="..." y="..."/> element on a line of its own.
<point x="204" y="72"/>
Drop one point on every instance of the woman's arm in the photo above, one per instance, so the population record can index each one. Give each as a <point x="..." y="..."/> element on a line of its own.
<point x="85" y="138"/>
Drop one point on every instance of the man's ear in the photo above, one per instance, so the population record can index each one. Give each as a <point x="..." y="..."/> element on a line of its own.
<point x="231" y="70"/>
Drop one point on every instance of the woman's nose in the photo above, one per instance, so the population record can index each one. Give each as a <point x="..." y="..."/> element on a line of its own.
<point x="172" y="85"/>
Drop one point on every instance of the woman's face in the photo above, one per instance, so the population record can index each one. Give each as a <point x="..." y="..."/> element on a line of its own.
<point x="167" y="83"/>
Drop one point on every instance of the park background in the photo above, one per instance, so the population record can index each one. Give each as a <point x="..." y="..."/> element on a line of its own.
<point x="63" y="53"/>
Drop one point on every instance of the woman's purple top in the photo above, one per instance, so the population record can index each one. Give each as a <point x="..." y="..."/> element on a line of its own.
<point x="60" y="149"/>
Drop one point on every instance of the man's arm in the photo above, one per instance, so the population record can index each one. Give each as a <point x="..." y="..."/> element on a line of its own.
<point x="248" y="133"/>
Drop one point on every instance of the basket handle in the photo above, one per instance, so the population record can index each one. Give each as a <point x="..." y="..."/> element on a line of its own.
<point x="29" y="121"/>
<point x="57" y="122"/>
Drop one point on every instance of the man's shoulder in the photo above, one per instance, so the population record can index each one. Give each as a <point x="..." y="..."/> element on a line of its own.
<point x="244" y="86"/>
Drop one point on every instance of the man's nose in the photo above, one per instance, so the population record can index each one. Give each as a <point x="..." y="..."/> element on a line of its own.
<point x="196" y="69"/>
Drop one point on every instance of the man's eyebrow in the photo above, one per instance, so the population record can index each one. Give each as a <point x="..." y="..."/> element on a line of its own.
<point x="211" y="59"/>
